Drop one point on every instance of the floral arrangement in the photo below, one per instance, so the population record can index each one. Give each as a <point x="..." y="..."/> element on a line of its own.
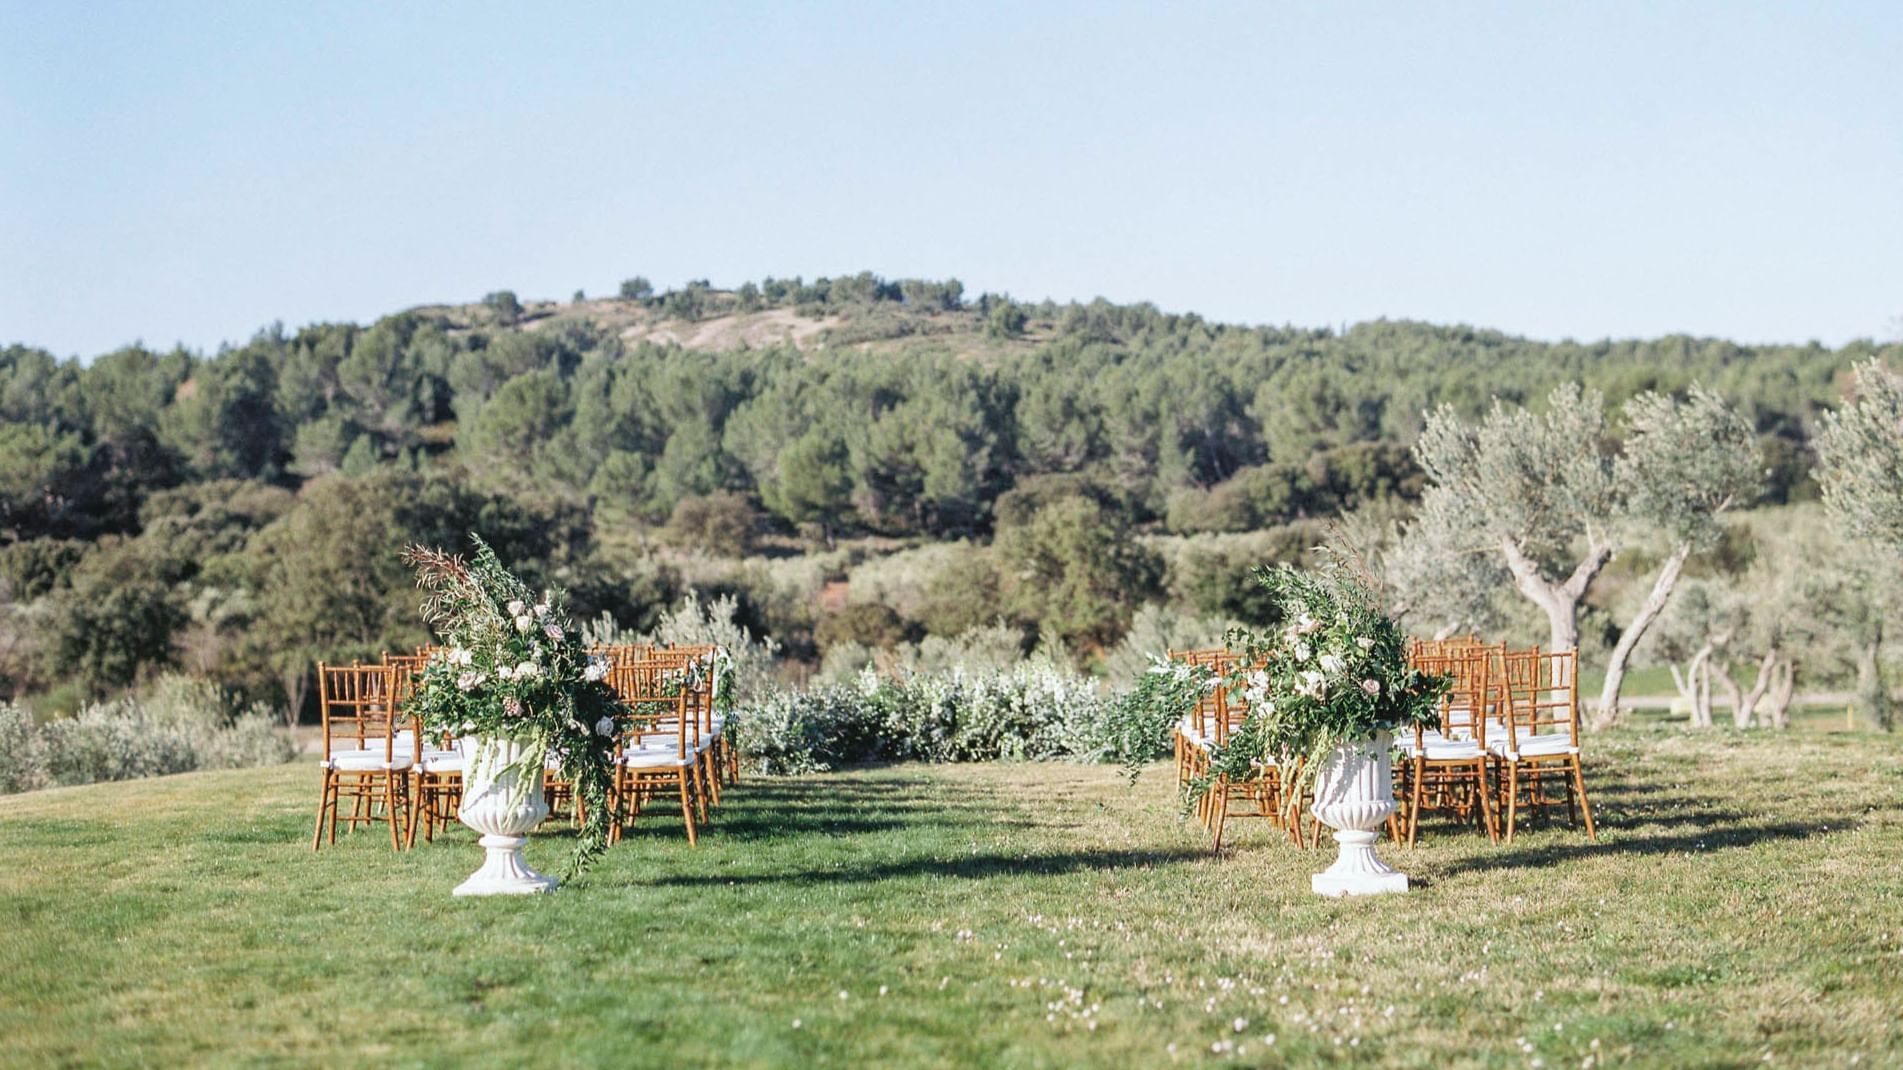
<point x="514" y="665"/>
<point x="1335" y="673"/>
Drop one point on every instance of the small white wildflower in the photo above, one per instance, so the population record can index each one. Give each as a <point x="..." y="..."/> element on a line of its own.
<point x="516" y="606"/>
<point x="1364" y="642"/>
<point x="541" y="609"/>
<point x="1332" y="663"/>
<point x="524" y="622"/>
<point x="527" y="670"/>
<point x="605" y="727"/>
<point x="595" y="671"/>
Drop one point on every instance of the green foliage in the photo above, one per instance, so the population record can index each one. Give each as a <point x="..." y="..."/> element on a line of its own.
<point x="866" y="624"/>
<point x="1073" y="565"/>
<point x="721" y="523"/>
<point x="504" y="306"/>
<point x="1860" y="455"/>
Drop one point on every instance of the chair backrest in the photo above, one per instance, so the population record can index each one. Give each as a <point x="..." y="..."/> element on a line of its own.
<point x="361" y="712"/>
<point x="1463" y="709"/>
<point x="655" y="691"/>
<point x="1542" y="690"/>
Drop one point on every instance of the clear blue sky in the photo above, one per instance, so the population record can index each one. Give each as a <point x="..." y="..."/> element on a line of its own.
<point x="192" y="172"/>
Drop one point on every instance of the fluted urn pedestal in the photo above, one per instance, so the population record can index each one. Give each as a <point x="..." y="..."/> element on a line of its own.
<point x="1354" y="795"/>
<point x="502" y="799"/>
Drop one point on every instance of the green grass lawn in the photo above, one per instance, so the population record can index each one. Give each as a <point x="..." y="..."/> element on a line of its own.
<point x="1744" y="903"/>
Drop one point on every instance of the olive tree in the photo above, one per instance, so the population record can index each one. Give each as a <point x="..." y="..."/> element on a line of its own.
<point x="1553" y="502"/>
<point x="1860" y="467"/>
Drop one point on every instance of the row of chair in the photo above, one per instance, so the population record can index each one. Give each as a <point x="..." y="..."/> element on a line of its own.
<point x="380" y="767"/>
<point x="1506" y="743"/>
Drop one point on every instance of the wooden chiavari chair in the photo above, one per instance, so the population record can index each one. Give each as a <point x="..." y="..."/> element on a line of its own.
<point x="1541" y="693"/>
<point x="1448" y="769"/>
<point x="436" y="782"/>
<point x="659" y="752"/>
<point x="369" y="750"/>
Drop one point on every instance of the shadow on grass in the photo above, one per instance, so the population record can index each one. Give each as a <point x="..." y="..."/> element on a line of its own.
<point x="1712" y="837"/>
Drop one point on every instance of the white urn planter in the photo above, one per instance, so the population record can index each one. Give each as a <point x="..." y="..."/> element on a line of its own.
<point x="1354" y="795"/>
<point x="502" y="799"/>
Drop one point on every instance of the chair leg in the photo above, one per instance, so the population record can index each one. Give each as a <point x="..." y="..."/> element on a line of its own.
<point x="1513" y="798"/>
<point x="687" y="809"/>
<point x="1485" y="792"/>
<point x="1585" y="807"/>
<point x="1414" y="802"/>
<point x="712" y="758"/>
<point x="390" y="809"/>
<point x="1219" y="817"/>
<point x="323" y="804"/>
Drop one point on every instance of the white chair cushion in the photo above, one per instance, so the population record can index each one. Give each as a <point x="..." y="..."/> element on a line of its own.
<point x="1452" y="750"/>
<point x="1541" y="746"/>
<point x="441" y="761"/>
<point x="656" y="759"/>
<point x="365" y="761"/>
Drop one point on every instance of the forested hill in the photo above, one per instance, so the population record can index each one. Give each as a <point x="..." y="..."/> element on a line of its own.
<point x="835" y="406"/>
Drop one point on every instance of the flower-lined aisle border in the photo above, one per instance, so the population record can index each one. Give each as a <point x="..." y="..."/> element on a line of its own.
<point x="513" y="665"/>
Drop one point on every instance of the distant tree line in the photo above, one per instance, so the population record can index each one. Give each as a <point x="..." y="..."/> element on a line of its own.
<point x="238" y="511"/>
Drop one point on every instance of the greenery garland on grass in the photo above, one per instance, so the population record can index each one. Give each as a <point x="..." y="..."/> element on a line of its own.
<point x="1336" y="673"/>
<point x="514" y="665"/>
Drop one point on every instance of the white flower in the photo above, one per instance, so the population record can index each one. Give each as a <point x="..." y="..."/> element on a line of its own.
<point x="1332" y="663"/>
<point x="541" y="609"/>
<point x="595" y="671"/>
<point x="1301" y="651"/>
<point x="605" y="727"/>
<point x="528" y="670"/>
<point x="516" y="607"/>
<point x="524" y="622"/>
<point x="1372" y="687"/>
<point x="1306" y="624"/>
<point x="468" y="680"/>
<point x="461" y="655"/>
<point x="553" y="631"/>
<point x="1182" y="672"/>
<point x="1364" y="642"/>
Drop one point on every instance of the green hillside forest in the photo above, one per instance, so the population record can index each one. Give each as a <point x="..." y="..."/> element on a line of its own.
<point x="853" y="468"/>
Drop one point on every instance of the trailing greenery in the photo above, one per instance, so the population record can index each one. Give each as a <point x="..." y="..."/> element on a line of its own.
<point x="513" y="666"/>
<point x="1336" y="674"/>
<point x="1143" y="719"/>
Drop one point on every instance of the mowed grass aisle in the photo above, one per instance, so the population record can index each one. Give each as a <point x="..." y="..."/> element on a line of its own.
<point x="1745" y="902"/>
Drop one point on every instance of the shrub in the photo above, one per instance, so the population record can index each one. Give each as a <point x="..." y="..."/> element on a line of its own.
<point x="865" y="624"/>
<point x="22" y="751"/>
<point x="1032" y="711"/>
<point x="693" y="623"/>
<point x="115" y="741"/>
<point x="721" y="523"/>
<point x="180" y="725"/>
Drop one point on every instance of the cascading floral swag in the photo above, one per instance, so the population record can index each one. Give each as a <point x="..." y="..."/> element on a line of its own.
<point x="1335" y="673"/>
<point x="513" y="665"/>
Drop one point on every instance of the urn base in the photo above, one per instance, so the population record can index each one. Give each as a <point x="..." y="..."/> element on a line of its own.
<point x="1338" y="884"/>
<point x="504" y="872"/>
